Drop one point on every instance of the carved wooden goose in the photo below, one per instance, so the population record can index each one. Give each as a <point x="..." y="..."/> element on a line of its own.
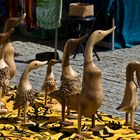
<point x="50" y="84"/>
<point x="25" y="94"/>
<point x="4" y="69"/>
<point x="91" y="96"/>
<point x="9" y="50"/>
<point x="130" y="100"/>
<point x="69" y="91"/>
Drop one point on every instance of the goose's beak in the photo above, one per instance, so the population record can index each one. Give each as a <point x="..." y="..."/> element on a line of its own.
<point x="21" y="19"/>
<point x="107" y="32"/>
<point x="41" y="63"/>
<point x="58" y="61"/>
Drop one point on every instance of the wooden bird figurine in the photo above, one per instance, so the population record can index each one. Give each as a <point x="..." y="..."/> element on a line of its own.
<point x="69" y="91"/>
<point x="130" y="100"/>
<point x="91" y="96"/>
<point x="4" y="69"/>
<point x="9" y="50"/>
<point x="50" y="84"/>
<point x="25" y="94"/>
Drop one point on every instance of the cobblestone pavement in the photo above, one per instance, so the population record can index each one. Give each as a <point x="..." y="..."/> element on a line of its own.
<point x="113" y="65"/>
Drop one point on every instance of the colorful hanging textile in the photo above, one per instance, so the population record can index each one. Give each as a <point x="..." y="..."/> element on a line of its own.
<point x="49" y="13"/>
<point x="14" y="8"/>
<point x="29" y="7"/>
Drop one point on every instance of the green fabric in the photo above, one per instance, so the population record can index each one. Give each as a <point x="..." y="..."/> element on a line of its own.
<point x="47" y="17"/>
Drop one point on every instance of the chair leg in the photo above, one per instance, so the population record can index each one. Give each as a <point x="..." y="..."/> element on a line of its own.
<point x="83" y="51"/>
<point x="97" y="56"/>
<point x="77" y="49"/>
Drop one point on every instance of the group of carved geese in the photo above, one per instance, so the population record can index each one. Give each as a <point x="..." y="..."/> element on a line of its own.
<point x="84" y="96"/>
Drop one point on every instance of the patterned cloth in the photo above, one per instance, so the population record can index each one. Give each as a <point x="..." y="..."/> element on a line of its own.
<point x="4" y="80"/>
<point x="23" y="97"/>
<point x="47" y="15"/>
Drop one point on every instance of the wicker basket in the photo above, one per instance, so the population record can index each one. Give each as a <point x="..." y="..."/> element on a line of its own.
<point x="81" y="10"/>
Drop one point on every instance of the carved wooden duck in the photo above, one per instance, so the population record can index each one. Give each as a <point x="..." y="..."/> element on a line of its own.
<point x="50" y="84"/>
<point x="91" y="96"/>
<point x="25" y="94"/>
<point x="4" y="69"/>
<point x="69" y="91"/>
<point x="9" y="50"/>
<point x="130" y="100"/>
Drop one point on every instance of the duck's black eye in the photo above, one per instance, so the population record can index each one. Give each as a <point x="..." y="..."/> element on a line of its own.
<point x="35" y="64"/>
<point x="99" y="32"/>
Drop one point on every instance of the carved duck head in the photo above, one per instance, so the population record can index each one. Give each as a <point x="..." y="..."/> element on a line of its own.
<point x="36" y="64"/>
<point x="13" y="22"/>
<point x="98" y="35"/>
<point x="53" y="62"/>
<point x="5" y="36"/>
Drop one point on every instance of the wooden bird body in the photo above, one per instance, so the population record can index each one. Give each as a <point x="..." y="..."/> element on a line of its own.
<point x="50" y="84"/>
<point x="129" y="103"/>
<point x="71" y="82"/>
<point x="25" y="94"/>
<point x="9" y="50"/>
<point x="130" y="98"/>
<point x="92" y="86"/>
<point x="91" y="96"/>
<point x="4" y="68"/>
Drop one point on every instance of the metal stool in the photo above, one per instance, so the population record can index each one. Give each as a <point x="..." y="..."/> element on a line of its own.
<point x="82" y="21"/>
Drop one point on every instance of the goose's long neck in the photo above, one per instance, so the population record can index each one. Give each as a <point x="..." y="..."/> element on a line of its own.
<point x="50" y="74"/>
<point x="10" y="24"/>
<point x="7" y="27"/>
<point x="24" y="81"/>
<point x="67" y="70"/>
<point x="49" y="69"/>
<point x="66" y="61"/>
<point x="25" y="75"/>
<point x="129" y="74"/>
<point x="89" y="51"/>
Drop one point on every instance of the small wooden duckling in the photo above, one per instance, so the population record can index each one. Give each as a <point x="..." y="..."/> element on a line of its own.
<point x="130" y="100"/>
<point x="69" y="91"/>
<point x="91" y="96"/>
<point x="50" y="82"/>
<point x="9" y="50"/>
<point x="25" y="94"/>
<point x="4" y="70"/>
